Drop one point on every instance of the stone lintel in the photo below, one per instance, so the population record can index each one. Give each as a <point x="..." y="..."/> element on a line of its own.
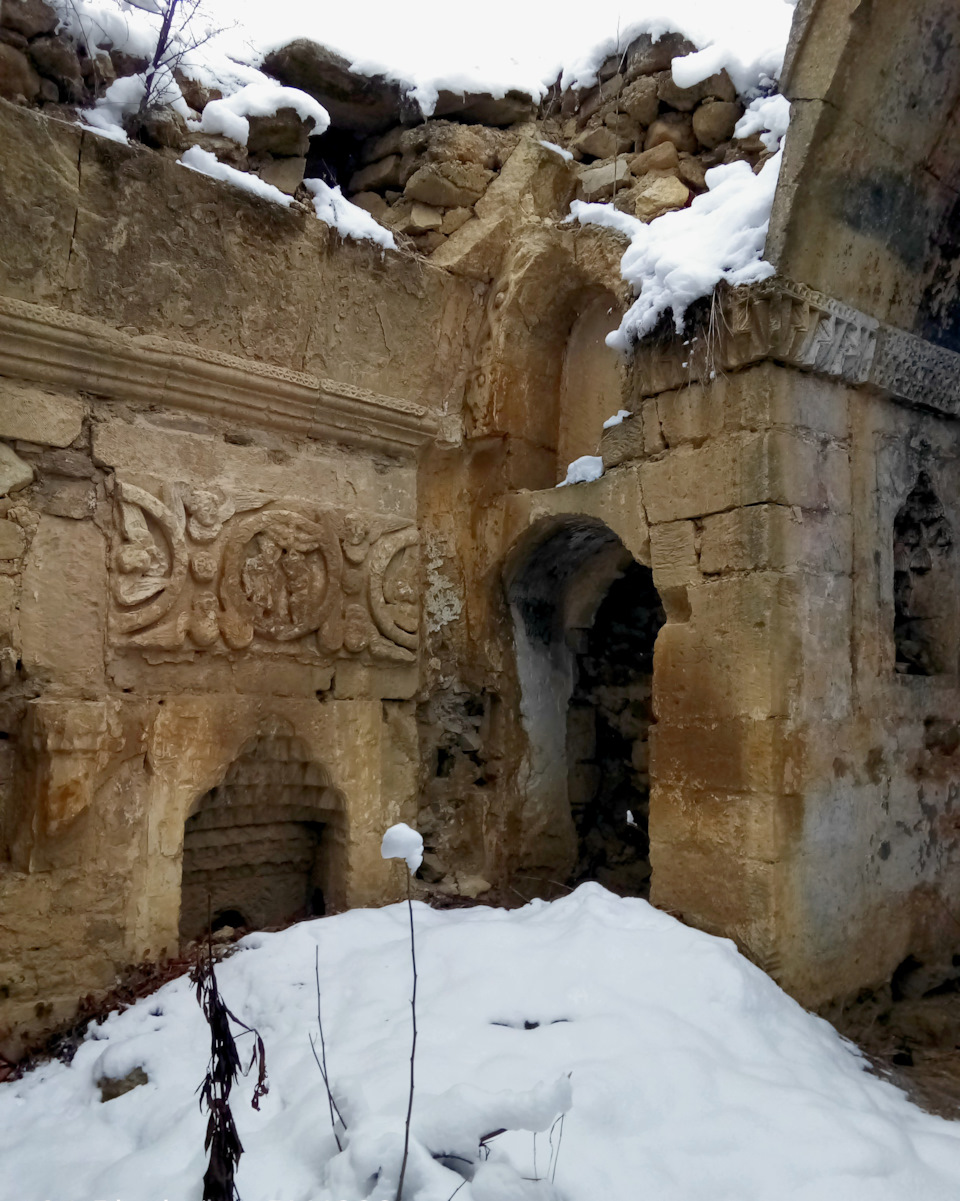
<point x="800" y="327"/>
<point x="45" y="345"/>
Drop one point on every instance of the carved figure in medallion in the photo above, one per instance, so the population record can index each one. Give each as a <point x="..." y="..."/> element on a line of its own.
<point x="187" y="569"/>
<point x="281" y="577"/>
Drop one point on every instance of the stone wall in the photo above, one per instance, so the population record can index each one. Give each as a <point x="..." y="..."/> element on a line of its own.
<point x="173" y="590"/>
<point x="868" y="203"/>
<point x="269" y="498"/>
<point x="815" y="817"/>
<point x="208" y="536"/>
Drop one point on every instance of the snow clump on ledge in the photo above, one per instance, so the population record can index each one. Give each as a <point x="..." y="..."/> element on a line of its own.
<point x="348" y="219"/>
<point x="684" y="1073"/>
<point x="123" y="97"/>
<point x="230" y="115"/>
<point x="682" y="256"/>
<point x="206" y="163"/>
<point x="584" y="470"/>
<point x="401" y="842"/>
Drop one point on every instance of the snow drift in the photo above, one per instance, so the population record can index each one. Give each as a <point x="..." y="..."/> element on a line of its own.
<point x="685" y="1073"/>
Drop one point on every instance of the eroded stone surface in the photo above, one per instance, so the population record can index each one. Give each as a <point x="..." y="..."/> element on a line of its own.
<point x="14" y="472"/>
<point x="286" y="562"/>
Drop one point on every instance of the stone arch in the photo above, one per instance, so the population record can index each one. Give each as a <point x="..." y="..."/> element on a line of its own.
<point x="924" y="584"/>
<point x="267" y="841"/>
<point x="586" y="615"/>
<point x="539" y="386"/>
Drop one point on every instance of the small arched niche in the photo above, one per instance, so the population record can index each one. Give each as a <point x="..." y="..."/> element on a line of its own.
<point x="586" y="617"/>
<point x="264" y="847"/>
<point x="924" y="585"/>
<point x="591" y="382"/>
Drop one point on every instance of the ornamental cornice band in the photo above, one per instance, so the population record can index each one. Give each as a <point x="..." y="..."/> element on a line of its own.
<point x="910" y="369"/>
<point x="46" y="345"/>
<point x="796" y="325"/>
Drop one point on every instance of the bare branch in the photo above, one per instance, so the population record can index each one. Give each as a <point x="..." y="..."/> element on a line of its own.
<point x="322" y="1062"/>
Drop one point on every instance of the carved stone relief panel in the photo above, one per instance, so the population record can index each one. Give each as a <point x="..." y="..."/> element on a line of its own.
<point x="775" y="319"/>
<point x="197" y="570"/>
<point x="916" y="371"/>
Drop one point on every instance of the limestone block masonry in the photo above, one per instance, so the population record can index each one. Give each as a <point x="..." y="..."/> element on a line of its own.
<point x="176" y="595"/>
<point x="283" y="559"/>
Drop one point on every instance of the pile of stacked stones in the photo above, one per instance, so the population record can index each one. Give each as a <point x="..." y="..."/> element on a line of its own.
<point x="40" y="66"/>
<point x="423" y="181"/>
<point x="43" y="66"/>
<point x="636" y="138"/>
<point x="644" y="142"/>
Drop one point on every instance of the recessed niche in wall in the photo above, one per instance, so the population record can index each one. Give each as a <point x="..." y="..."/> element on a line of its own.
<point x="924" y="585"/>
<point x="258" y="846"/>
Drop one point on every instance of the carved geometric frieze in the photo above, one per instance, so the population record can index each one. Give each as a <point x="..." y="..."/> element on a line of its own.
<point x="912" y="369"/>
<point x="796" y="325"/>
<point x="197" y="570"/>
<point x="778" y="319"/>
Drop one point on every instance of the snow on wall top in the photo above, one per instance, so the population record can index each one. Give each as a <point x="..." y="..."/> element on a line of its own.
<point x="682" y="256"/>
<point x="501" y="46"/>
<point x="495" y="47"/>
<point x="230" y="116"/>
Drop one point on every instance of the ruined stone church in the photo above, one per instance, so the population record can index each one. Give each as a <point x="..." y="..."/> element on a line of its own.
<point x="283" y="559"/>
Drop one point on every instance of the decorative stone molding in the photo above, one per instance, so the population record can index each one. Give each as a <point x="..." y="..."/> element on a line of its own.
<point x="196" y="570"/>
<point x="908" y="368"/>
<point x="46" y="345"/>
<point x="793" y="324"/>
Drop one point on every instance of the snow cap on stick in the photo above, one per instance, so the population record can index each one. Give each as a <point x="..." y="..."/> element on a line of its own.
<point x="401" y="842"/>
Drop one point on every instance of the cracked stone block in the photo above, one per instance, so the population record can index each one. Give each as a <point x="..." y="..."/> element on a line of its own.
<point x="14" y="472"/>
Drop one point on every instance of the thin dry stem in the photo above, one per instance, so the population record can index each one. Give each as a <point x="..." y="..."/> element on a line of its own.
<point x="322" y="1060"/>
<point x="413" y="1045"/>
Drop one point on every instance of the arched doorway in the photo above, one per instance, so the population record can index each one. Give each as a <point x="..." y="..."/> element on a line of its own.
<point x="260" y="847"/>
<point x="586" y="617"/>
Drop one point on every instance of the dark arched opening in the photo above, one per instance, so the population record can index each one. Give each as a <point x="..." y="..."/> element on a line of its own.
<point x="257" y="848"/>
<point x="924" y="588"/>
<point x="586" y="617"/>
<point x="608" y="729"/>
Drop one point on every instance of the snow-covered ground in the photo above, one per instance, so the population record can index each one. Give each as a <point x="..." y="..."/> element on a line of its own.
<point x="685" y="1072"/>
